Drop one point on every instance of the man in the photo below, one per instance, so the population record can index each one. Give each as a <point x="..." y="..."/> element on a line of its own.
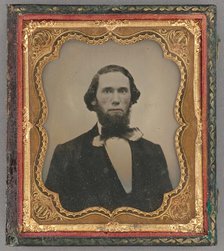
<point x="111" y="165"/>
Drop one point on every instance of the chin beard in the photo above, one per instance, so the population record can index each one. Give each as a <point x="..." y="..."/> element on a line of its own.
<point x="114" y="123"/>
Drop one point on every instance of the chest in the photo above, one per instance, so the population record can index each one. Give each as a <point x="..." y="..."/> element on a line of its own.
<point x="99" y="171"/>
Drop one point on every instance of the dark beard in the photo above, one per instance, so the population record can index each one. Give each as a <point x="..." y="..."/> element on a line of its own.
<point x="113" y="125"/>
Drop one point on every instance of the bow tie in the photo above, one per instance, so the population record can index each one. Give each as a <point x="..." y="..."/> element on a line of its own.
<point x="132" y="134"/>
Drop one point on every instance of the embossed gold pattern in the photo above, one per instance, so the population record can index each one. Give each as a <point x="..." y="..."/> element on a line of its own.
<point x="182" y="208"/>
<point x="110" y="25"/>
<point x="26" y="125"/>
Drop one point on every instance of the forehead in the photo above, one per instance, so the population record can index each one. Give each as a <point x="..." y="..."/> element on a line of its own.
<point x="113" y="79"/>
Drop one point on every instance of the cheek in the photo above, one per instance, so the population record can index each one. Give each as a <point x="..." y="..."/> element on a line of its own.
<point x="126" y="103"/>
<point x="103" y="100"/>
<point x="127" y="100"/>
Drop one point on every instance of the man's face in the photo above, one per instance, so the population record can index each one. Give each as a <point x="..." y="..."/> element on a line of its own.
<point x="113" y="95"/>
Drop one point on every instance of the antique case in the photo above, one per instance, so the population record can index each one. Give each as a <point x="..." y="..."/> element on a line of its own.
<point x="37" y="38"/>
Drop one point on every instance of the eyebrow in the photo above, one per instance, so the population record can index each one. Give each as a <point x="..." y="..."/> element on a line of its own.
<point x="108" y="88"/>
<point x="123" y="88"/>
<point x="112" y="88"/>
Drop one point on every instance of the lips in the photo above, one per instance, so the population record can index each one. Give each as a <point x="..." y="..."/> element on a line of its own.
<point x="115" y="110"/>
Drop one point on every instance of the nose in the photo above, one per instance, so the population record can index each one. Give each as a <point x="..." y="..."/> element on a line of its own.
<point x="115" y="98"/>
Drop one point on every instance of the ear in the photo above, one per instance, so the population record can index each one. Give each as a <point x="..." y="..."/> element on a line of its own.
<point x="93" y="102"/>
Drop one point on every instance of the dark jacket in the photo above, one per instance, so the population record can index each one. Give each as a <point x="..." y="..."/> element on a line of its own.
<point x="83" y="176"/>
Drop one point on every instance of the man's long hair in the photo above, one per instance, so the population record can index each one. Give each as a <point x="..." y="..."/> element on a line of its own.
<point x="90" y="95"/>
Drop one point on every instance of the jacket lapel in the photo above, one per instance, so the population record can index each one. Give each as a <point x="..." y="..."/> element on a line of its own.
<point x="102" y="179"/>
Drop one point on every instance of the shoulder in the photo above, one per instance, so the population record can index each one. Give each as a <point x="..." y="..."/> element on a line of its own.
<point x="150" y="148"/>
<point x="78" y="141"/>
<point x="73" y="147"/>
<point x="148" y="144"/>
<point x="75" y="141"/>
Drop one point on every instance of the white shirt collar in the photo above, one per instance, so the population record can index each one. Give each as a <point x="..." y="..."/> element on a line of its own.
<point x="99" y="126"/>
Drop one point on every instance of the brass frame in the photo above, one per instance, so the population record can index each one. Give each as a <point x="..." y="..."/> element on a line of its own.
<point x="182" y="209"/>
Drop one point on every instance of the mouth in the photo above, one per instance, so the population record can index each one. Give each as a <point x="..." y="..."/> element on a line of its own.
<point x="115" y="110"/>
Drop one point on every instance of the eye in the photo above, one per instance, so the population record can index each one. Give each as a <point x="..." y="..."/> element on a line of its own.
<point x="107" y="90"/>
<point x="123" y="90"/>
